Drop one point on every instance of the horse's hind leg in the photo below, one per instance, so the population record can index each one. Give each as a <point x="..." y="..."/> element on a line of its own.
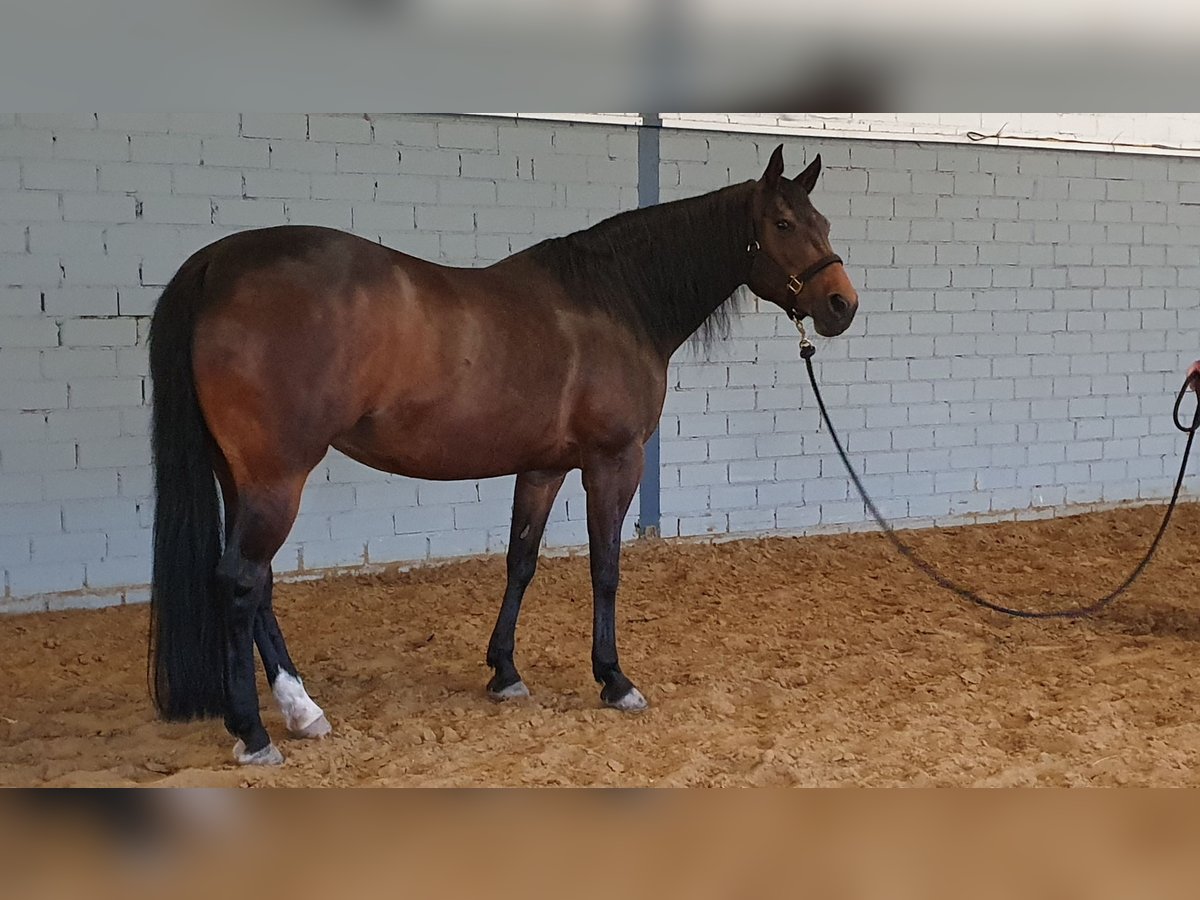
<point x="242" y="585"/>
<point x="610" y="482"/>
<point x="263" y="517"/>
<point x="532" y="500"/>
<point x="303" y="717"/>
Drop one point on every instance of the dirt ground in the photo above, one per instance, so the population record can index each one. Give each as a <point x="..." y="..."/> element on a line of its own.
<point x="782" y="661"/>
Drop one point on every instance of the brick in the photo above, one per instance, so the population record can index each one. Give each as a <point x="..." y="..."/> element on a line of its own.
<point x="157" y="148"/>
<point x="404" y="131"/>
<point x="81" y="302"/>
<point x="58" y="120"/>
<point x="27" y="143"/>
<point x="457" y="543"/>
<point x="91" y="146"/>
<point x="504" y="221"/>
<point x="206" y="181"/>
<point x="52" y="548"/>
<point x="406" y="189"/>
<point x="107" y="514"/>
<point x="23" y="426"/>
<point x="437" y="162"/>
<point x="441" y="218"/>
<point x="177" y="210"/>
<point x="112" y="452"/>
<point x="97" y="269"/>
<point x="13" y="238"/>
<point x="437" y="493"/>
<point x="275" y="125"/>
<point x="137" y="301"/>
<point x="27" y="332"/>
<point x="65" y="363"/>
<point x="417" y="519"/>
<point x="14" y="550"/>
<point x="36" y="457"/>
<point x="361" y="525"/>
<point x="248" y="213"/>
<point x="303" y="156"/>
<point x="712" y="523"/>
<point x="469" y="136"/>
<point x="106" y="392"/>
<point x="343" y="187"/>
<point x="33" y="579"/>
<point x="480" y="165"/>
<point x="369" y="158"/>
<point x="330" y="213"/>
<point x="243" y="153"/>
<point x="135" y="178"/>
<point x="340" y="129"/>
<point x="99" y="332"/>
<point x="135" y="122"/>
<point x="59" y="175"/>
<point x="204" y="123"/>
<point x="98" y="208"/>
<point x="464" y="192"/>
<point x="19" y="364"/>
<point x="34" y="395"/>
<point x="397" y="548"/>
<point x="72" y="424"/>
<point x="378" y="218"/>
<point x="117" y="572"/>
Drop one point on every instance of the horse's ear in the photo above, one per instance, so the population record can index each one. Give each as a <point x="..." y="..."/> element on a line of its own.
<point x="774" y="169"/>
<point x="808" y="178"/>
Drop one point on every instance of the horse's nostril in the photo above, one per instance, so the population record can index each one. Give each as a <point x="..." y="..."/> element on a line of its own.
<point x="839" y="304"/>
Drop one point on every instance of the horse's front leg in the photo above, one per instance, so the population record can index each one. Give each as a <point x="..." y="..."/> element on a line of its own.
<point x="610" y="481"/>
<point x="532" y="500"/>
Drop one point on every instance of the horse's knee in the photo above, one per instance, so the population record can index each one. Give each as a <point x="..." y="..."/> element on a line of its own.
<point x="521" y="570"/>
<point x="241" y="581"/>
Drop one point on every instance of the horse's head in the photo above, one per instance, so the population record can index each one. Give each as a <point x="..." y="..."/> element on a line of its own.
<point x="794" y="266"/>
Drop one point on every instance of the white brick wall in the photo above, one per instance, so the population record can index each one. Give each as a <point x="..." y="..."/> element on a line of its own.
<point x="1021" y="335"/>
<point x="1025" y="314"/>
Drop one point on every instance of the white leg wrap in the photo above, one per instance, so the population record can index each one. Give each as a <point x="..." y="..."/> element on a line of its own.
<point x="297" y="707"/>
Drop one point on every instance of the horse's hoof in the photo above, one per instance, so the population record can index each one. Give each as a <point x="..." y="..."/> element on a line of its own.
<point x="317" y="728"/>
<point x="267" y="756"/>
<point x="631" y="701"/>
<point x="514" y="691"/>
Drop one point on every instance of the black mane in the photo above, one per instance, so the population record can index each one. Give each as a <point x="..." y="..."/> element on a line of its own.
<point x="666" y="271"/>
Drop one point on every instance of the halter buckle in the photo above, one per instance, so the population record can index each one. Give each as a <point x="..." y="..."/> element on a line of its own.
<point x="753" y="247"/>
<point x="795" y="285"/>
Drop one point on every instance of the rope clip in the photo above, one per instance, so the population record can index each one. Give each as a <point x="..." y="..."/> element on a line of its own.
<point x="806" y="346"/>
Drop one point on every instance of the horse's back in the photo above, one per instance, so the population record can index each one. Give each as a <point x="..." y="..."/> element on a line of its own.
<point x="329" y="259"/>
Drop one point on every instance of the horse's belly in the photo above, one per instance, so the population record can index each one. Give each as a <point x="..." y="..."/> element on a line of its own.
<point x="450" y="444"/>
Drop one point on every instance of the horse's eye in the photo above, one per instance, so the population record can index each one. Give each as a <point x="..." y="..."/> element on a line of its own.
<point x="783" y="224"/>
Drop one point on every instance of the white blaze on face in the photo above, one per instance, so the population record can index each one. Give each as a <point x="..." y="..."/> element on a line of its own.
<point x="299" y="710"/>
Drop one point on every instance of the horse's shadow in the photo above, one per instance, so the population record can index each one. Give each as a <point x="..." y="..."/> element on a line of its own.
<point x="1160" y="620"/>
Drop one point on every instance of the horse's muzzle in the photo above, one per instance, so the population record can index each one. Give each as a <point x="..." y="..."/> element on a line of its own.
<point x="835" y="314"/>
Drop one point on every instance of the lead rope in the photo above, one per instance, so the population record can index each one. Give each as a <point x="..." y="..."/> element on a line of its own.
<point x="807" y="350"/>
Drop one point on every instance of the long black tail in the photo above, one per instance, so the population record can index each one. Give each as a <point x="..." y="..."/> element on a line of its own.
<point x="187" y="641"/>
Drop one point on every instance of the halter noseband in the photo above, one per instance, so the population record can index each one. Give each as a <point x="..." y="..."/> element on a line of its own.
<point x="797" y="283"/>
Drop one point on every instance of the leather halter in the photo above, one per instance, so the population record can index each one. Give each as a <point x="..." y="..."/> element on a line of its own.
<point x="797" y="283"/>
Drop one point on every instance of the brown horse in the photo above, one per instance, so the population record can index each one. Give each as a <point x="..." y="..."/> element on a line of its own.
<point x="270" y="346"/>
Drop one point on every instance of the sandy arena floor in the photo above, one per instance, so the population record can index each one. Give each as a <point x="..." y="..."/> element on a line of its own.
<point x="819" y="661"/>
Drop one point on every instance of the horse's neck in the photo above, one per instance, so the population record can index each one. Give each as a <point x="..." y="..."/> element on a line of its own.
<point x="663" y="270"/>
<point x="712" y="263"/>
